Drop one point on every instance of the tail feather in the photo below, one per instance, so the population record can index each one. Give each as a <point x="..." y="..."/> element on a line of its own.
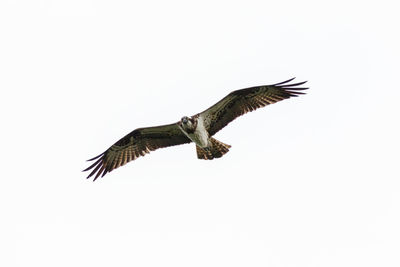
<point x="216" y="150"/>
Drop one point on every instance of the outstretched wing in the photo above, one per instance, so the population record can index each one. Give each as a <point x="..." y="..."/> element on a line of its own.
<point x="136" y="144"/>
<point x="246" y="100"/>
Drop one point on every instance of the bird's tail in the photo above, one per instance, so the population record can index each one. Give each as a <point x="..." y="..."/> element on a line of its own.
<point x="216" y="150"/>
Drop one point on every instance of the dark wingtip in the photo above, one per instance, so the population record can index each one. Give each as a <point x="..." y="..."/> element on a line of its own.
<point x="294" y="84"/>
<point x="94" y="167"/>
<point x="96" y="157"/>
<point x="292" y="88"/>
<point x="287" y="81"/>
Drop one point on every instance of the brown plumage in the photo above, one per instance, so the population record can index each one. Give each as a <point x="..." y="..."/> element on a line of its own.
<point x="216" y="150"/>
<point x="198" y="128"/>
<point x="135" y="144"/>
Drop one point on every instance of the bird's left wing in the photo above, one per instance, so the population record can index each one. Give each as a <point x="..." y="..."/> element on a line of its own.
<point x="136" y="144"/>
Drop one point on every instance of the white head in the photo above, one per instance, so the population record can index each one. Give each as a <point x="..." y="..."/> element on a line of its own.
<point x="188" y="124"/>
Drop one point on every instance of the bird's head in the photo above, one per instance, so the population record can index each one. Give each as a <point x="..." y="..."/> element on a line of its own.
<point x="184" y="120"/>
<point x="188" y="124"/>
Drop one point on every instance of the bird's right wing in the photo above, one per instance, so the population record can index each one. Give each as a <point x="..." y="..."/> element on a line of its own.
<point x="239" y="102"/>
<point x="136" y="144"/>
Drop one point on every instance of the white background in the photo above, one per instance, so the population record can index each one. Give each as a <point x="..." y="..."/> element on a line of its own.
<point x="310" y="181"/>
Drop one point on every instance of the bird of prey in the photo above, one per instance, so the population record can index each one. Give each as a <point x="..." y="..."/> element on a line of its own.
<point x="198" y="128"/>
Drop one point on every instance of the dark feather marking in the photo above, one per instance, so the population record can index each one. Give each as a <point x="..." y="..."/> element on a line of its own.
<point x="91" y="166"/>
<point x="125" y="158"/>
<point x="119" y="159"/>
<point x="297" y="88"/>
<point x="95" y="157"/>
<point x="94" y="170"/>
<point x="284" y="82"/>
<point x="130" y="155"/>
<point x="295" y="84"/>
<point x="99" y="172"/>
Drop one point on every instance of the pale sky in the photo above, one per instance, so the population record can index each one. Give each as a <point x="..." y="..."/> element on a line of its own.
<point x="309" y="181"/>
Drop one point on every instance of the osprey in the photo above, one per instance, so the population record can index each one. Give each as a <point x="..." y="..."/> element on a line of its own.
<point x="198" y="128"/>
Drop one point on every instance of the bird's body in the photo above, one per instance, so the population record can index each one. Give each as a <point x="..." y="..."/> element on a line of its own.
<point x="195" y="130"/>
<point x="198" y="128"/>
<point x="206" y="146"/>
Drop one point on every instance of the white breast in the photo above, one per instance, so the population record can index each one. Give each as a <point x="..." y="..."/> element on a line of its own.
<point x="201" y="134"/>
